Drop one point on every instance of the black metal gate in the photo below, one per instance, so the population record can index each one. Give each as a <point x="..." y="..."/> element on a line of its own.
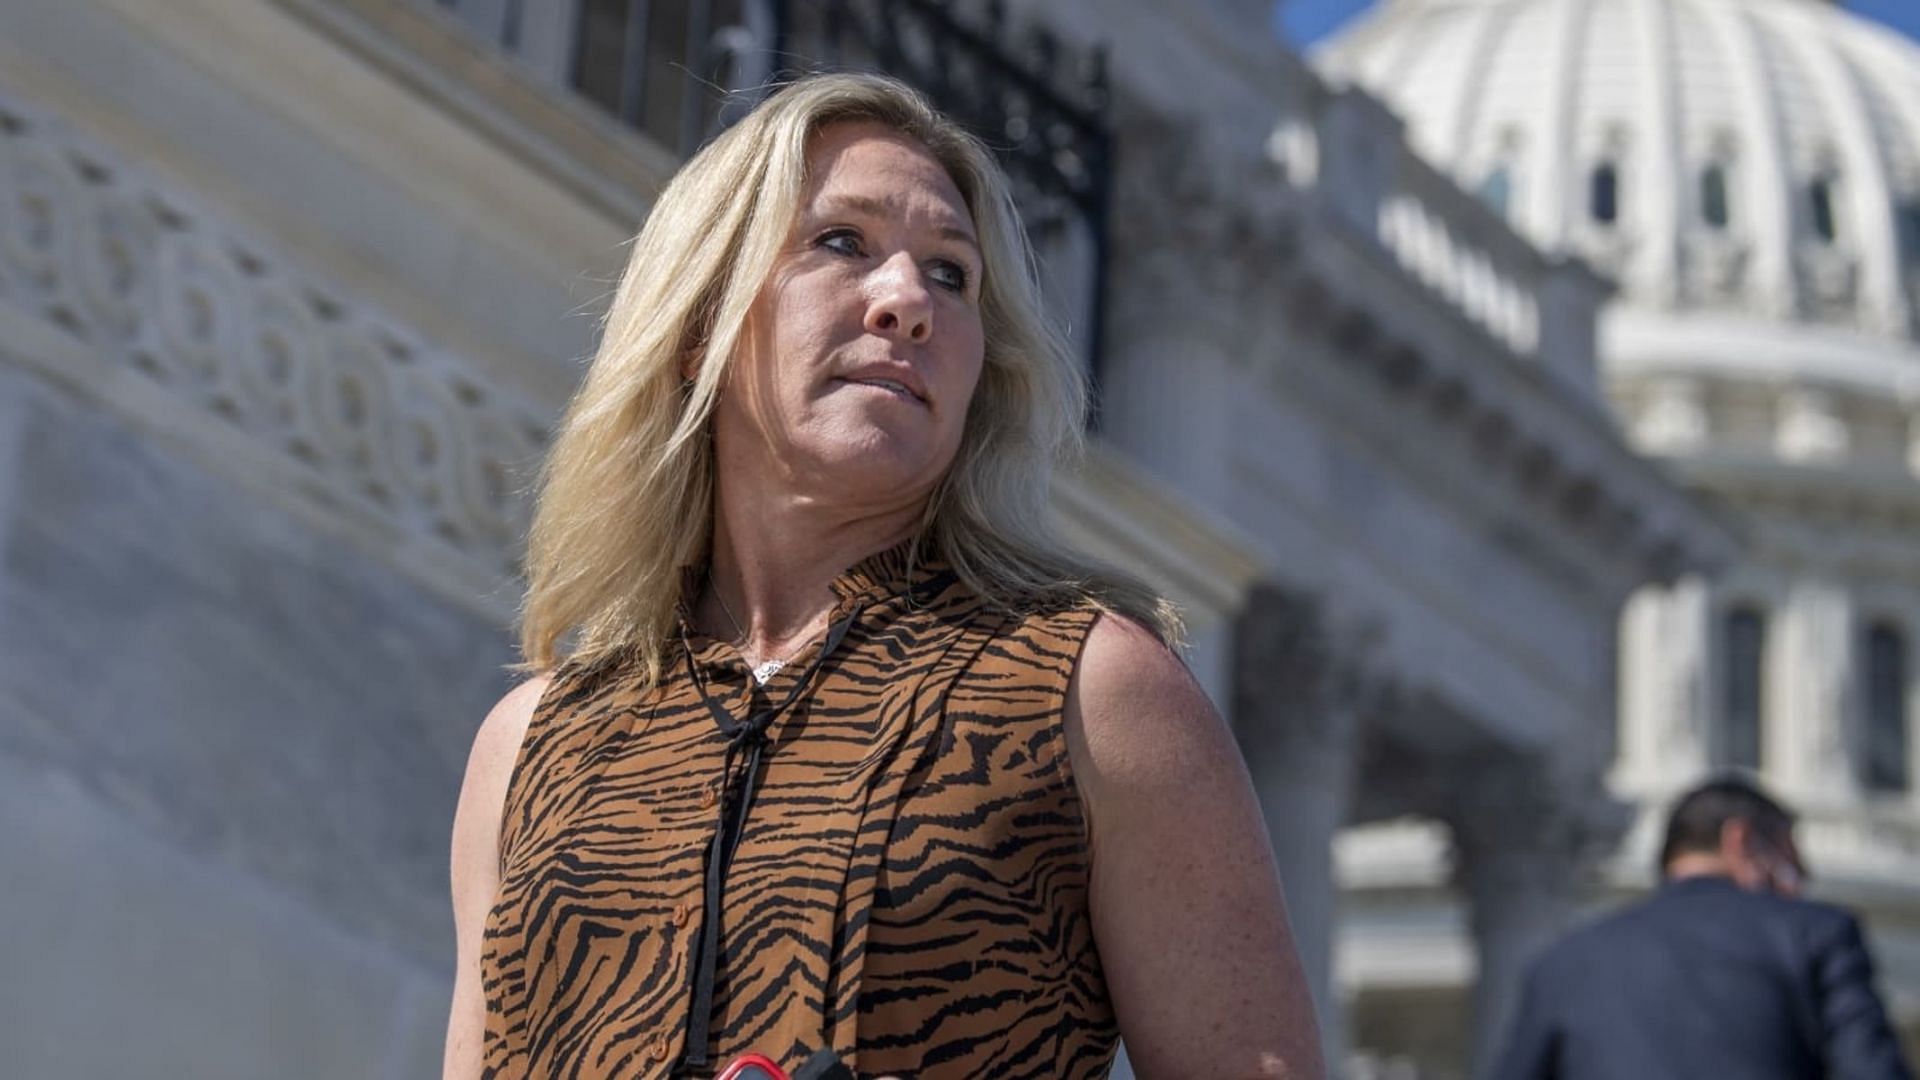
<point x="680" y="70"/>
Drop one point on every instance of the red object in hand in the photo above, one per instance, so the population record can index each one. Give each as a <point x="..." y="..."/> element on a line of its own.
<point x="751" y="1067"/>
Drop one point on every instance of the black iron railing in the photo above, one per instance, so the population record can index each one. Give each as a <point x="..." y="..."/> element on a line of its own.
<point x="678" y="70"/>
<point x="1040" y="105"/>
<point x="681" y="70"/>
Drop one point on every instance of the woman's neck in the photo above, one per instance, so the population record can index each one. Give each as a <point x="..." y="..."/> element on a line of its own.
<point x="774" y="562"/>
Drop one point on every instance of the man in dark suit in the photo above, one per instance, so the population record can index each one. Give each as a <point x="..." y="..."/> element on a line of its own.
<point x="1722" y="974"/>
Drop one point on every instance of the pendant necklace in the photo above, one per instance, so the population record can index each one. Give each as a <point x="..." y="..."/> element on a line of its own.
<point x="765" y="669"/>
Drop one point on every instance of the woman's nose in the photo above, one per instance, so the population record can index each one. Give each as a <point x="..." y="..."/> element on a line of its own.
<point x="901" y="306"/>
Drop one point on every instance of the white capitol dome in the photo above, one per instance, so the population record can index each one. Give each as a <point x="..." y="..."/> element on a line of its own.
<point x="1753" y="157"/>
<point x="1748" y="171"/>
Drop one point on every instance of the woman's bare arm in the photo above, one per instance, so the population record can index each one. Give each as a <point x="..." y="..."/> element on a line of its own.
<point x="475" y="866"/>
<point x="1186" y="902"/>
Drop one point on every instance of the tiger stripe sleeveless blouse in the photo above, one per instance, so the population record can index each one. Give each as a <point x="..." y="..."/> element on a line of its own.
<point x="909" y="887"/>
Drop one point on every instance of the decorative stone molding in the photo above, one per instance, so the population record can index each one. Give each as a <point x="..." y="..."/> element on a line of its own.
<point x="1810" y="426"/>
<point x="1611" y="250"/>
<point x="1313" y="701"/>
<point x="1370" y="180"/>
<point x="1197" y="216"/>
<point x="1294" y="148"/>
<point x="1436" y="251"/>
<point x="1282" y="674"/>
<point x="1303" y="235"/>
<point x="1719" y="261"/>
<point x="1804" y="517"/>
<point x="1789" y="419"/>
<point x="1672" y="417"/>
<point x="361" y="420"/>
<point x="1864" y="843"/>
<point x="1539" y="443"/>
<point x="1294" y="667"/>
<point x="1831" y="279"/>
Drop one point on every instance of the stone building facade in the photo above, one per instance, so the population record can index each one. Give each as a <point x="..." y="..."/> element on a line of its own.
<point x="290" y="291"/>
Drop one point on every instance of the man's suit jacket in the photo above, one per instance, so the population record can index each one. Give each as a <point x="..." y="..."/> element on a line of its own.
<point x="1705" y="981"/>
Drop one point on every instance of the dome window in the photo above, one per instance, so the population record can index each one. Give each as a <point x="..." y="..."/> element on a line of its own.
<point x="1603" y="193"/>
<point x="1907" y="220"/>
<point x="1820" y="205"/>
<point x="1745" y="633"/>
<point x="1883" y="758"/>
<point x="1496" y="190"/>
<point x="1713" y="196"/>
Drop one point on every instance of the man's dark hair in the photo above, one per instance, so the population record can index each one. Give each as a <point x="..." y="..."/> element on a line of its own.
<point x="1700" y="814"/>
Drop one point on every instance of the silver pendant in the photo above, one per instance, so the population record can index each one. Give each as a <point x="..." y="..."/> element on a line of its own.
<point x="766" y="669"/>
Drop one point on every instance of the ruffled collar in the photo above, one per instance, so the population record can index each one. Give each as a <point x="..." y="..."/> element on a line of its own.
<point x="895" y="572"/>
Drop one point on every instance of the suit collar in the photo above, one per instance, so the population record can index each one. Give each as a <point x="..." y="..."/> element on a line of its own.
<point x="1699" y="883"/>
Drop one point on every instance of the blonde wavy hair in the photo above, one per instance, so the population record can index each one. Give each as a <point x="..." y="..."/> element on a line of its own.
<point x="625" y="496"/>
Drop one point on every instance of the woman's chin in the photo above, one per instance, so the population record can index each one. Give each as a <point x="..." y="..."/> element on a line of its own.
<point x="882" y="467"/>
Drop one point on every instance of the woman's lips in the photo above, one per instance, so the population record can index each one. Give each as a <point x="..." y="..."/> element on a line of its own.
<point x="890" y="387"/>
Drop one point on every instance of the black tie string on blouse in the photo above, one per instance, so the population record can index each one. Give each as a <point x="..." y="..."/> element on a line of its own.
<point x="750" y="734"/>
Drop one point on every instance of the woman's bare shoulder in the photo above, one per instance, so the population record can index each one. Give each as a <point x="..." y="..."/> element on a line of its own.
<point x="1124" y="664"/>
<point x="497" y="742"/>
<point x="483" y="793"/>
<point x="1135" y="716"/>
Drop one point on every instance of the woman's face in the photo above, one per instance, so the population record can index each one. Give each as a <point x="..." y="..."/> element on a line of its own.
<point x="862" y="350"/>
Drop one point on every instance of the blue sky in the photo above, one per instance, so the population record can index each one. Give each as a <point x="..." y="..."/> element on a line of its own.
<point x="1306" y="21"/>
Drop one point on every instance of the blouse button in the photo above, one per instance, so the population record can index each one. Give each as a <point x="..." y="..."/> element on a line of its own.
<point x="659" y="1049"/>
<point x="707" y="797"/>
<point x="682" y="913"/>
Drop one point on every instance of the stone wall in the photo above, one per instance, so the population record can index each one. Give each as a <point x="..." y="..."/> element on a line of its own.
<point x="230" y="746"/>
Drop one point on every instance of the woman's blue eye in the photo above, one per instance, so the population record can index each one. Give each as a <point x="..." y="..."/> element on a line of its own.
<point x="950" y="275"/>
<point x="946" y="273"/>
<point x="842" y="241"/>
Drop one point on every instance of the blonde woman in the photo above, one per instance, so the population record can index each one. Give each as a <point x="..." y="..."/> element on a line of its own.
<point x="830" y="745"/>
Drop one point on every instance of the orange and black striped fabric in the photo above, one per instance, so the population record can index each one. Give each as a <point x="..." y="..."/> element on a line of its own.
<point x="910" y="889"/>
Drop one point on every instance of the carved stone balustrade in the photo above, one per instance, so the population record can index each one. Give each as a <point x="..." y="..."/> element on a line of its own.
<point x="1537" y="306"/>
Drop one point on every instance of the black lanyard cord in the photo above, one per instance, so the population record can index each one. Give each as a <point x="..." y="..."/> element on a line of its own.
<point x="751" y="735"/>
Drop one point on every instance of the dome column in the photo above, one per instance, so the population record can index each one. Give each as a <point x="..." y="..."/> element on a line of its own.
<point x="1195" y="302"/>
<point x="1523" y="843"/>
<point x="1810" y="678"/>
<point x="1296" y="718"/>
<point x="1664" y="687"/>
